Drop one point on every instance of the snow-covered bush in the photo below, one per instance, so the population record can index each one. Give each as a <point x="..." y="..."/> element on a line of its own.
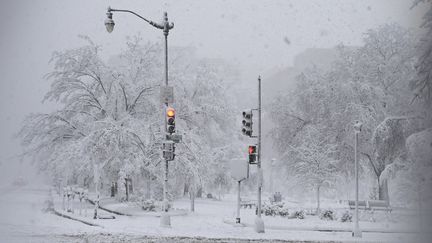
<point x="346" y="217"/>
<point x="148" y="205"/>
<point x="274" y="209"/>
<point x="268" y="210"/>
<point x="283" y="212"/>
<point x="299" y="214"/>
<point x="135" y="198"/>
<point x="328" y="214"/>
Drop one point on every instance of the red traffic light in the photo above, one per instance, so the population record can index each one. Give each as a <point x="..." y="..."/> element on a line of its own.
<point x="252" y="149"/>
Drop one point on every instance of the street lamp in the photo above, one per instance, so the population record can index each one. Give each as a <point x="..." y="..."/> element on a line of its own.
<point x="165" y="26"/>
<point x="357" y="129"/>
<point x="109" y="22"/>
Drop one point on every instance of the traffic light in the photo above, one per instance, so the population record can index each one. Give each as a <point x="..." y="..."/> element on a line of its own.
<point x="247" y="123"/>
<point x="252" y="151"/>
<point x="168" y="151"/>
<point x="170" y="116"/>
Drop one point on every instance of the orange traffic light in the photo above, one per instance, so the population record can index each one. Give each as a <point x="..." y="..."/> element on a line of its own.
<point x="170" y="112"/>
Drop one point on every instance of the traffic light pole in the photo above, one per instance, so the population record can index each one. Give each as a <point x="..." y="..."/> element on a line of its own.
<point x="259" y="223"/>
<point x="165" y="220"/>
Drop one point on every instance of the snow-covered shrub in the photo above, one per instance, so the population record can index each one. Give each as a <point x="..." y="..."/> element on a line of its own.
<point x="148" y="205"/>
<point x="283" y="212"/>
<point x="328" y="214"/>
<point x="274" y="209"/>
<point x="346" y="217"/>
<point x="310" y="211"/>
<point x="299" y="214"/>
<point x="268" y="210"/>
<point x="277" y="208"/>
<point x="134" y="198"/>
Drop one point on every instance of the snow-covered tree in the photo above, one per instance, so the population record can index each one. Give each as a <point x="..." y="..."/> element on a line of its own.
<point x="422" y="84"/>
<point x="367" y="83"/>
<point x="390" y="153"/>
<point x="313" y="162"/>
<point x="419" y="146"/>
<point x="109" y="122"/>
<point x="206" y="113"/>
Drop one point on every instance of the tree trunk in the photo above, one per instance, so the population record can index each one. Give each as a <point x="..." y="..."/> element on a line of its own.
<point x="96" y="181"/>
<point x="95" y="216"/>
<point x="148" y="191"/>
<point x="318" y="200"/>
<point x="383" y="190"/>
<point x="192" y="198"/>
<point x="130" y="185"/>
<point x="127" y="189"/>
<point x="185" y="189"/>
<point x="199" y="193"/>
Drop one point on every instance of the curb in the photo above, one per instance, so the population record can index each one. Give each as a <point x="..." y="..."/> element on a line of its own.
<point x="151" y="214"/>
<point x="326" y="229"/>
<point x="76" y="219"/>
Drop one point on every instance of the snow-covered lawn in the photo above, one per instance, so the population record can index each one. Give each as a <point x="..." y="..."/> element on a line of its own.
<point x="23" y="220"/>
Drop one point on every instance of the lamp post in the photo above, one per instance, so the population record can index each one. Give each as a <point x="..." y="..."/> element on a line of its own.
<point x="357" y="129"/>
<point x="165" y="26"/>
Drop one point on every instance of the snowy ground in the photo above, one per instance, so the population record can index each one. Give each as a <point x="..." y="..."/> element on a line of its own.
<point x="22" y="220"/>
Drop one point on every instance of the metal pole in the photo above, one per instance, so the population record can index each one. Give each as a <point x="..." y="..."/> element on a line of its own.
<point x="165" y="192"/>
<point x="357" y="232"/>
<point x="166" y="57"/>
<point x="238" y="203"/>
<point x="165" y="218"/>
<point x="259" y="146"/>
<point x="259" y="223"/>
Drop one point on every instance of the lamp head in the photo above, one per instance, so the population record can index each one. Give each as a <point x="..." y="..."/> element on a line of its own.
<point x="109" y="22"/>
<point x="358" y="126"/>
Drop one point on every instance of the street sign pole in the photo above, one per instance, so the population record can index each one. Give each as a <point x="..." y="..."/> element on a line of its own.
<point x="239" y="169"/>
<point x="238" y="203"/>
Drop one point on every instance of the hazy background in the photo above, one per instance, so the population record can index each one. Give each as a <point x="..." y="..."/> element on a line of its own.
<point x="259" y="37"/>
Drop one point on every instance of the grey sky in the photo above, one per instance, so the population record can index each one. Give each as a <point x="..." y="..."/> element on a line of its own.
<point x="259" y="36"/>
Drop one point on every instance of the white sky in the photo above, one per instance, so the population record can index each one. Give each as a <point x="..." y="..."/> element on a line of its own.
<point x="249" y="33"/>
